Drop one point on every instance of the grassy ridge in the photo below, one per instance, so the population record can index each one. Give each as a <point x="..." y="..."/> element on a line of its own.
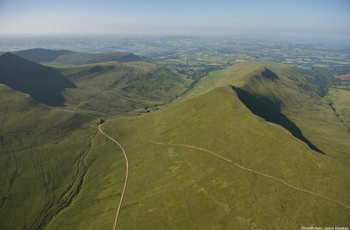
<point x="118" y="88"/>
<point x="41" y="55"/>
<point x="178" y="187"/>
<point x="294" y="95"/>
<point x="300" y="102"/>
<point x="47" y="153"/>
<point x="68" y="177"/>
<point x="59" y="58"/>
<point x="43" y="83"/>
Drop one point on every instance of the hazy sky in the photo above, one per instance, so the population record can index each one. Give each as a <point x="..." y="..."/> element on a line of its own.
<point x="195" y="17"/>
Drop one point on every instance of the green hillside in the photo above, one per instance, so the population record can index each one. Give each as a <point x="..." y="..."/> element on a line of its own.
<point x="294" y="96"/>
<point x="43" y="83"/>
<point x="41" y="158"/>
<point x="58" y="58"/>
<point x="174" y="185"/>
<point x="108" y="88"/>
<point x="46" y="153"/>
<point x="208" y="162"/>
<point x="300" y="103"/>
<point x="252" y="146"/>
<point x="114" y="88"/>
<point x="339" y="100"/>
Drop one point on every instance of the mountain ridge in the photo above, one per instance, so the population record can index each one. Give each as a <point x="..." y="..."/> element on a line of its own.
<point x="204" y="161"/>
<point x="41" y="55"/>
<point x="181" y="158"/>
<point x="44" y="84"/>
<point x="59" y="58"/>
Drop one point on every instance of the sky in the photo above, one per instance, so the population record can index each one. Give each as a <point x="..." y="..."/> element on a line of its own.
<point x="321" y="18"/>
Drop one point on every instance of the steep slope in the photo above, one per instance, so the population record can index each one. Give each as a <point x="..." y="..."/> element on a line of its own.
<point x="43" y="154"/>
<point x="118" y="88"/>
<point x="41" y="55"/>
<point x="202" y="164"/>
<point x="46" y="153"/>
<point x="339" y="100"/>
<point x="60" y="58"/>
<point x="291" y="94"/>
<point x="207" y="162"/>
<point x="43" y="83"/>
<point x="294" y="96"/>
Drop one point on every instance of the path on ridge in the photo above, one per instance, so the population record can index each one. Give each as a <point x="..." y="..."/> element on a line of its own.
<point x="258" y="173"/>
<point x="126" y="175"/>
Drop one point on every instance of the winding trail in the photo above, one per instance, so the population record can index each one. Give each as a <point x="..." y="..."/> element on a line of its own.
<point x="258" y="173"/>
<point x="126" y="175"/>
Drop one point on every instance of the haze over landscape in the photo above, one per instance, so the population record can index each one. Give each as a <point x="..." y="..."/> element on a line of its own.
<point x="324" y="18"/>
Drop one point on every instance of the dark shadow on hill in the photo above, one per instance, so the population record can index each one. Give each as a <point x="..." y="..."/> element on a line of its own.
<point x="270" y="111"/>
<point x="266" y="73"/>
<point x="41" y="55"/>
<point x="43" y="83"/>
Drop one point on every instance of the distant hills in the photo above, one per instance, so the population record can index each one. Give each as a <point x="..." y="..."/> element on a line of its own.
<point x="41" y="55"/>
<point x="104" y="86"/>
<point x="44" y="84"/>
<point x="65" y="57"/>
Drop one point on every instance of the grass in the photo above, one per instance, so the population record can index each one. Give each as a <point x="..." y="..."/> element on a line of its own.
<point x="50" y="161"/>
<point x="58" y="173"/>
<point x="119" y="88"/>
<point x="43" y="83"/>
<point x="40" y="156"/>
<point x="96" y="204"/>
<point x="60" y="58"/>
<point x="178" y="187"/>
<point x="76" y="59"/>
<point x="297" y="98"/>
<point x="339" y="96"/>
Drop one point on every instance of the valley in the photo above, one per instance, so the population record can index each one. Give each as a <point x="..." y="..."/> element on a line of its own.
<point x="175" y="140"/>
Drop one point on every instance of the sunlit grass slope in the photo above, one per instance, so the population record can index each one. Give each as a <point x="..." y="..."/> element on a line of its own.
<point x="297" y="98"/>
<point x="95" y="206"/>
<point x="47" y="153"/>
<point x="275" y="181"/>
<point x="294" y="95"/>
<point x="339" y="97"/>
<point x="41" y="159"/>
<point x="118" y="88"/>
<point x="246" y="173"/>
<point x="178" y="187"/>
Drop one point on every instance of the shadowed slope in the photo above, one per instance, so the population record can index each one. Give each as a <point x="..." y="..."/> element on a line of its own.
<point x="263" y="96"/>
<point x="293" y="94"/>
<point x="259" y="107"/>
<point x="42" y="152"/>
<point x="265" y="72"/>
<point x="43" y="83"/>
<point x="59" y="58"/>
<point x="41" y="55"/>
